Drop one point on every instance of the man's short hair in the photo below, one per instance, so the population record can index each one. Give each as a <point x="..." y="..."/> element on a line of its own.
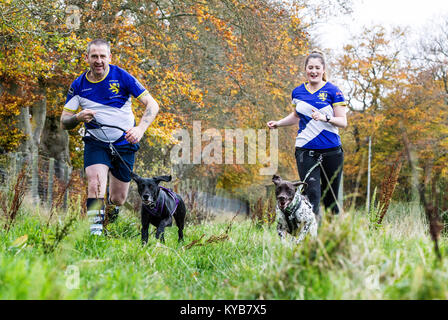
<point x="98" y="42"/>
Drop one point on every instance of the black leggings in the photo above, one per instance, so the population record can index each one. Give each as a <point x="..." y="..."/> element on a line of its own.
<point x="332" y="162"/>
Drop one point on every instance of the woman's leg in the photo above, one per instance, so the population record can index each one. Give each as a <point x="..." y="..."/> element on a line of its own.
<point x="313" y="191"/>
<point x="333" y="168"/>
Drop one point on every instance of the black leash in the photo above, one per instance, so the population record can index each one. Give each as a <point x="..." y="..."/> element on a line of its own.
<point x="319" y="163"/>
<point x="112" y="148"/>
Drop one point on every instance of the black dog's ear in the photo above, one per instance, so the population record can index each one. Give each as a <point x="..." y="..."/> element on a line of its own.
<point x="276" y="179"/>
<point x="162" y="178"/>
<point x="135" y="177"/>
<point x="300" y="183"/>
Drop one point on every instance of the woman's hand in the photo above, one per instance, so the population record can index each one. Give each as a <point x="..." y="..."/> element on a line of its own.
<point x="272" y="124"/>
<point x="339" y="119"/>
<point x="289" y="120"/>
<point x="316" y="115"/>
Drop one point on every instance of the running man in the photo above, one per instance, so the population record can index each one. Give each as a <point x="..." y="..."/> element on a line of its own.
<point x="103" y="93"/>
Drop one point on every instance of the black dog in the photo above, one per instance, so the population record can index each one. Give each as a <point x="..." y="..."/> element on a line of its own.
<point x="159" y="206"/>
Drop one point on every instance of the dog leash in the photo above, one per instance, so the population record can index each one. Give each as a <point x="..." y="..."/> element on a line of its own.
<point x="331" y="189"/>
<point x="112" y="148"/>
<point x="319" y="162"/>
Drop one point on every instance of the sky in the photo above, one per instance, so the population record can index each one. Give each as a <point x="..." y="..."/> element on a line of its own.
<point x="414" y="14"/>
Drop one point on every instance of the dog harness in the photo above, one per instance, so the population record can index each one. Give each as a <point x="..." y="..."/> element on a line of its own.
<point x="161" y="203"/>
<point x="290" y="210"/>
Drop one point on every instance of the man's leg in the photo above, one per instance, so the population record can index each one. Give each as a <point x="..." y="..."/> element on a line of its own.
<point x="118" y="192"/>
<point x="96" y="188"/>
<point x="119" y="182"/>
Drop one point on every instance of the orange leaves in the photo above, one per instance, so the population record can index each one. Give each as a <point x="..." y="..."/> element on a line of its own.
<point x="222" y="28"/>
<point x="391" y="101"/>
<point x="231" y="63"/>
<point x="192" y="35"/>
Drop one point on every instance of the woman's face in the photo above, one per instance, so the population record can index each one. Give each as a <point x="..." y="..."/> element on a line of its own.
<point x="314" y="71"/>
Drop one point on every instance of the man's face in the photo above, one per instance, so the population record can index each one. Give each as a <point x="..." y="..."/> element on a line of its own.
<point x="98" y="59"/>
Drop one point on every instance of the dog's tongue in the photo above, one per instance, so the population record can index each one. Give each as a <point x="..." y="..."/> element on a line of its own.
<point x="284" y="205"/>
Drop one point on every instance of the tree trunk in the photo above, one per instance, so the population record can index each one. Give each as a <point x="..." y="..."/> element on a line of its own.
<point x="39" y="113"/>
<point x="54" y="144"/>
<point x="32" y="123"/>
<point x="24" y="124"/>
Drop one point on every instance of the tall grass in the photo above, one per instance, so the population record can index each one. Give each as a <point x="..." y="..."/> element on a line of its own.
<point x="243" y="260"/>
<point x="12" y="198"/>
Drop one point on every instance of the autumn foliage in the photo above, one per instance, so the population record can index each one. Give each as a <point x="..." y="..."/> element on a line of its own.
<point x="393" y="96"/>
<point x="229" y="64"/>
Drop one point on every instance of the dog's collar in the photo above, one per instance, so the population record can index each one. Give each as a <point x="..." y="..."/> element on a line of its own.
<point x="293" y="206"/>
<point x="290" y="211"/>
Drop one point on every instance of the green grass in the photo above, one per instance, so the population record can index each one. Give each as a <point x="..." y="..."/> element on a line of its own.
<point x="349" y="260"/>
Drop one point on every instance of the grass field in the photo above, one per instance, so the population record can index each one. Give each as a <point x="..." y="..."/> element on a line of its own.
<point x="349" y="260"/>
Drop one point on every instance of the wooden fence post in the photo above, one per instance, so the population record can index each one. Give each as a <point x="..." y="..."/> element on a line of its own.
<point x="368" y="175"/>
<point x="50" y="182"/>
<point x="35" y="177"/>
<point x="66" y="180"/>
<point x="13" y="166"/>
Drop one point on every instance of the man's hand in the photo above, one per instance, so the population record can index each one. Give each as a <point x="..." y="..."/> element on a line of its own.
<point x="134" y="135"/>
<point x="70" y="120"/>
<point x="85" y="115"/>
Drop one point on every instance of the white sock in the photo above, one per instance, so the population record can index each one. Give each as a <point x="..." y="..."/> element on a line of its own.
<point x="96" y="218"/>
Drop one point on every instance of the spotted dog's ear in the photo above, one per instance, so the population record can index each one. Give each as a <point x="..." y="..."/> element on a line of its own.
<point x="300" y="183"/>
<point x="276" y="179"/>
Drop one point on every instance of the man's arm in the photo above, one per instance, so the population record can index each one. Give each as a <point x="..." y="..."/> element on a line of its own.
<point x="135" y="134"/>
<point x="70" y="120"/>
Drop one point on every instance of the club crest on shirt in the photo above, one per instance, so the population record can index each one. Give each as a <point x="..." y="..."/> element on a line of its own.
<point x="114" y="87"/>
<point x="322" y="96"/>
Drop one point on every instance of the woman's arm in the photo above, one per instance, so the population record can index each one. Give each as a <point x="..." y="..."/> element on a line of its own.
<point x="339" y="119"/>
<point x="289" y="120"/>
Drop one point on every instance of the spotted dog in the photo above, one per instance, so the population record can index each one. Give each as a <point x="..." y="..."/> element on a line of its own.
<point x="294" y="212"/>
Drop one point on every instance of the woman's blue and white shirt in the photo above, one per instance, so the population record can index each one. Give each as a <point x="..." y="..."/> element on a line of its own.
<point x="317" y="134"/>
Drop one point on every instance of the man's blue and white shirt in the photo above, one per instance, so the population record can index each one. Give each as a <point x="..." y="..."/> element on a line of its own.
<point x="317" y="134"/>
<point x="110" y="97"/>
